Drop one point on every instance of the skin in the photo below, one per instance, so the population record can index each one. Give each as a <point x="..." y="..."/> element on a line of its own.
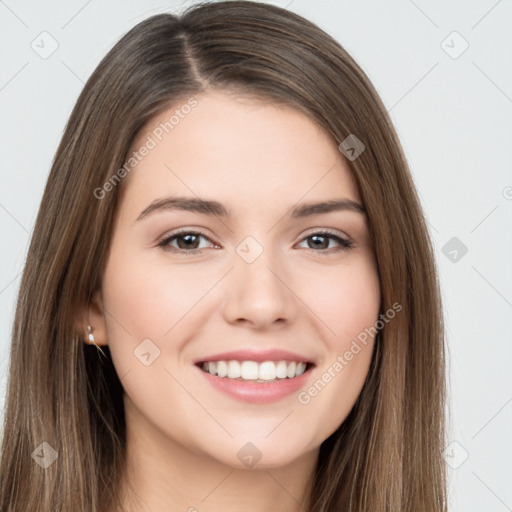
<point x="259" y="159"/>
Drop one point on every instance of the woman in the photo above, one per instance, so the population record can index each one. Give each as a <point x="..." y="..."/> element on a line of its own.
<point x="230" y="300"/>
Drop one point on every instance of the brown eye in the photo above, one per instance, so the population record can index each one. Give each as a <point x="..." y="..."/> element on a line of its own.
<point x="320" y="242"/>
<point x="186" y="242"/>
<point x="189" y="241"/>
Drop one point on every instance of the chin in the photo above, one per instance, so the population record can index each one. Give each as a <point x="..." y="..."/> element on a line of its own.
<point x="260" y="453"/>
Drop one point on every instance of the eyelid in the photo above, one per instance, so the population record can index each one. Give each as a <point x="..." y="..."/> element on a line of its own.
<point x="328" y="231"/>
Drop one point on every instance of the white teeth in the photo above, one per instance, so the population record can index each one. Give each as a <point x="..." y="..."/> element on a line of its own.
<point x="301" y="368"/>
<point x="251" y="370"/>
<point x="222" y="368"/>
<point x="281" y="370"/>
<point x="234" y="369"/>
<point x="291" y="369"/>
<point x="267" y="371"/>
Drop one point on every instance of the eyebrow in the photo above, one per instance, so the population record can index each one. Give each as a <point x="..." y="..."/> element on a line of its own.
<point x="214" y="208"/>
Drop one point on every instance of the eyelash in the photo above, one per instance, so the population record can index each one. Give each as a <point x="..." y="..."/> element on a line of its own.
<point x="344" y="243"/>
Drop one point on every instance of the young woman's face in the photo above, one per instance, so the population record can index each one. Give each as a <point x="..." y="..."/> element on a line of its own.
<point x="219" y="263"/>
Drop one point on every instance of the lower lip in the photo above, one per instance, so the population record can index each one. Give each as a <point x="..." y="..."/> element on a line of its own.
<point x="257" y="392"/>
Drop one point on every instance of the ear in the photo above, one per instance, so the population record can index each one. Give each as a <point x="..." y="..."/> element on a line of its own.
<point x="93" y="315"/>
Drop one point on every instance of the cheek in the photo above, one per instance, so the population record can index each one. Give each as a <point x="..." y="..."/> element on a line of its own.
<point x="147" y="311"/>
<point x="349" y="306"/>
<point x="346" y="300"/>
<point x="149" y="300"/>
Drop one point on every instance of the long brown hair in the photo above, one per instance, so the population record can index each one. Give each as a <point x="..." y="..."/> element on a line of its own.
<point x="387" y="454"/>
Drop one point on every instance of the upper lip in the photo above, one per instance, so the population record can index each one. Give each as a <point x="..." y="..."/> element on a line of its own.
<point x="256" y="355"/>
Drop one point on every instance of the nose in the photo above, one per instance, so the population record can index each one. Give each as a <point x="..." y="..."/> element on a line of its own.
<point x="259" y="294"/>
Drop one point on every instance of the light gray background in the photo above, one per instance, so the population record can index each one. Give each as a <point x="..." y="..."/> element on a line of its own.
<point x="452" y="112"/>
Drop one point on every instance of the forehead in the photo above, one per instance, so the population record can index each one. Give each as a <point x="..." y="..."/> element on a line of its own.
<point x="238" y="148"/>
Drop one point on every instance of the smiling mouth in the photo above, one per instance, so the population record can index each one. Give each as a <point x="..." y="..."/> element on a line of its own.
<point x="252" y="371"/>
